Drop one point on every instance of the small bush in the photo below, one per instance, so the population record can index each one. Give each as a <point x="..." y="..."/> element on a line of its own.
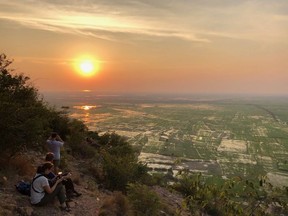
<point x="83" y="151"/>
<point x="156" y="179"/>
<point x="96" y="170"/>
<point x="117" y="205"/>
<point x="117" y="172"/>
<point x="144" y="201"/>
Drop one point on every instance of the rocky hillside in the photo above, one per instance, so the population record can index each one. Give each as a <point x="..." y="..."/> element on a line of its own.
<point x="14" y="203"/>
<point x="90" y="203"/>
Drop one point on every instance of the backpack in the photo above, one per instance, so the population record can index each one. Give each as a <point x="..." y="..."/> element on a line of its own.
<point x="25" y="187"/>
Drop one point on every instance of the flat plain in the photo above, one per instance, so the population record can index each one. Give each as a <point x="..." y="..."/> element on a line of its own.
<point x="217" y="136"/>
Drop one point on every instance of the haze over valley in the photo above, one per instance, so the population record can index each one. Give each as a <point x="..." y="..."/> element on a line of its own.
<point x="216" y="135"/>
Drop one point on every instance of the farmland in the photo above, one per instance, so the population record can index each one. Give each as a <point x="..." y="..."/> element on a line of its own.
<point x="225" y="137"/>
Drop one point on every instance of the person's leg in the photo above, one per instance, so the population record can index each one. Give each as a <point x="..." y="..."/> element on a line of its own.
<point x="61" y="195"/>
<point x="49" y="197"/>
<point x="69" y="186"/>
<point x="64" y="206"/>
<point x="68" y="183"/>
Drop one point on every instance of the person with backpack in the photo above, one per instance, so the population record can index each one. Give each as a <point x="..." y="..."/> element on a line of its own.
<point x="42" y="193"/>
<point x="67" y="182"/>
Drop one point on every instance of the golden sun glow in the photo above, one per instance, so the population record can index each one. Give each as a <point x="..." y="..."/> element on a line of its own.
<point x="86" y="66"/>
<point x="87" y="107"/>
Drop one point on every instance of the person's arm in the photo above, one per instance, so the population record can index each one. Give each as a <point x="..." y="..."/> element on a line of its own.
<point x="59" y="141"/>
<point x="67" y="176"/>
<point x="59" y="138"/>
<point x="50" y="190"/>
<point x="61" y="176"/>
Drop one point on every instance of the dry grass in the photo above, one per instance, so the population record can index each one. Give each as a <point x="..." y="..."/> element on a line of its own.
<point x="20" y="164"/>
<point x="96" y="171"/>
<point x="115" y="205"/>
<point x="76" y="179"/>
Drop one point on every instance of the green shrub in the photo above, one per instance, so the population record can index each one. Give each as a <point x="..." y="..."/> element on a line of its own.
<point x="23" y="114"/>
<point x="235" y="196"/>
<point x="157" y="179"/>
<point x="120" y="163"/>
<point x="117" y="171"/>
<point x="144" y="201"/>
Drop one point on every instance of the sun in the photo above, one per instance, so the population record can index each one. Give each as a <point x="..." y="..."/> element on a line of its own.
<point x="86" y="66"/>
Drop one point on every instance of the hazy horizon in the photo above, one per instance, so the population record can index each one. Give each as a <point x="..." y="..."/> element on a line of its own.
<point x="88" y="98"/>
<point x="164" y="94"/>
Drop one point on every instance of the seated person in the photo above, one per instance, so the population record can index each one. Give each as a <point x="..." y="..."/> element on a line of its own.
<point x="67" y="182"/>
<point x="42" y="193"/>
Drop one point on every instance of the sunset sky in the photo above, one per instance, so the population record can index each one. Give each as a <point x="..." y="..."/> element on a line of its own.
<point x="163" y="46"/>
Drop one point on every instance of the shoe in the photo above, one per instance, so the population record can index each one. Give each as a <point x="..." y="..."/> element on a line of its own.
<point x="67" y="209"/>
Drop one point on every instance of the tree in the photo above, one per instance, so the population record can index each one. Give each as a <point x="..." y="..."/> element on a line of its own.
<point x="22" y="111"/>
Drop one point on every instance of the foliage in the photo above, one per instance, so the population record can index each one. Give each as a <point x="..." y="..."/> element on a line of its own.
<point x="144" y="201"/>
<point x="119" y="163"/>
<point x="235" y="196"/>
<point x="93" y="135"/>
<point x="23" y="114"/>
<point x="158" y="179"/>
<point x="117" y="205"/>
<point x="77" y="133"/>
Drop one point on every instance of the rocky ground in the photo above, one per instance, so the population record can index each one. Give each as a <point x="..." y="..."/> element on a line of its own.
<point x="13" y="203"/>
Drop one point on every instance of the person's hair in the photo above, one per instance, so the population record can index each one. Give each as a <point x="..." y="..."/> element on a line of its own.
<point x="39" y="169"/>
<point x="49" y="156"/>
<point x="53" y="134"/>
<point x="43" y="167"/>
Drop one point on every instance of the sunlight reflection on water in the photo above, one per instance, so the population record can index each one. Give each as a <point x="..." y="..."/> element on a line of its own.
<point x="85" y="107"/>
